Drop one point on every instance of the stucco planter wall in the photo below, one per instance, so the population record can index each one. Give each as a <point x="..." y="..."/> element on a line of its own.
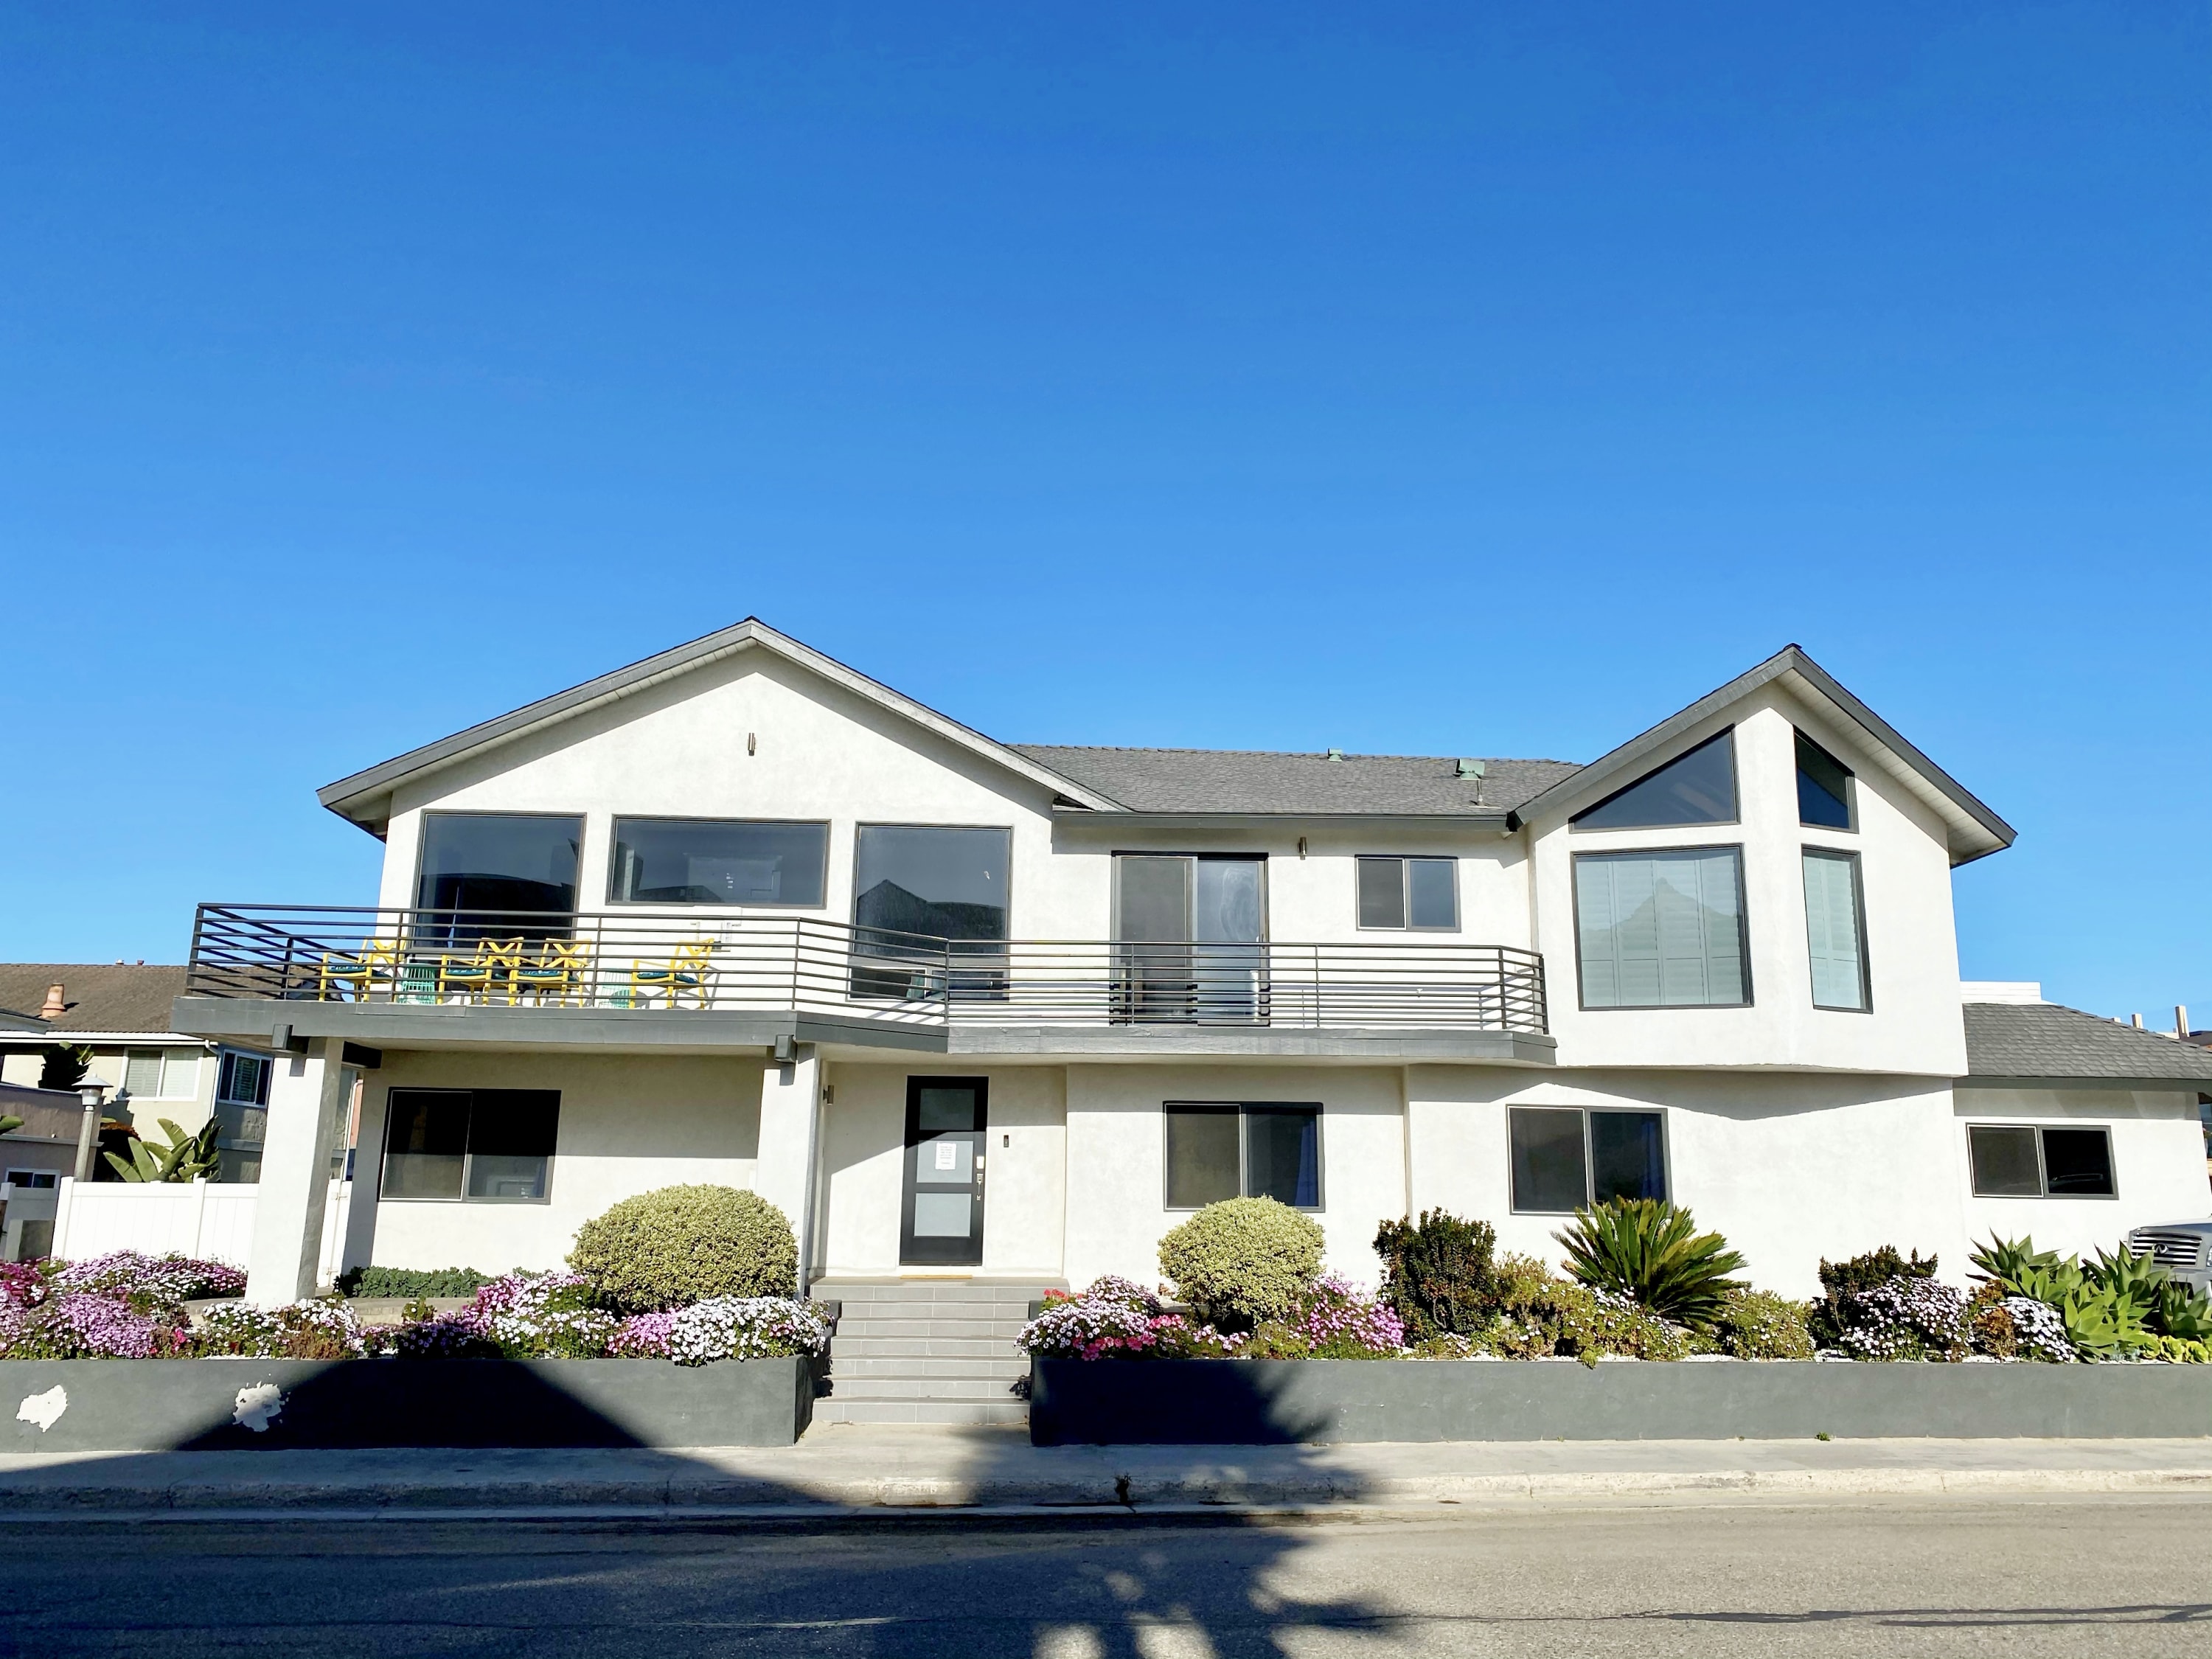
<point x="151" y="1405"/>
<point x="1272" y="1402"/>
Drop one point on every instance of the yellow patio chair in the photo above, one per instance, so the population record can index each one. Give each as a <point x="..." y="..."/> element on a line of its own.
<point x="480" y="975"/>
<point x="360" y="970"/>
<point x="686" y="971"/>
<point x="560" y="972"/>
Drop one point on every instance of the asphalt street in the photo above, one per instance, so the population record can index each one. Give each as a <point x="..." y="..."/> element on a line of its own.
<point x="2078" y="1575"/>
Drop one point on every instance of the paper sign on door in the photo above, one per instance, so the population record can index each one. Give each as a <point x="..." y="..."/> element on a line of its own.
<point x="948" y="1154"/>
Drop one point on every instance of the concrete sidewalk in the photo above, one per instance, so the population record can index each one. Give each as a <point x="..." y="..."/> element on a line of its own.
<point x="885" y="1472"/>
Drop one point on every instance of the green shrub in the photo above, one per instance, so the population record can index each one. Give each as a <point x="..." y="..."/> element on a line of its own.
<point x="678" y="1245"/>
<point x="2183" y="1312"/>
<point x="1242" y="1262"/>
<point x="1650" y="1252"/>
<point x="1760" y="1325"/>
<point x="1840" y="1280"/>
<point x="411" y="1282"/>
<point x="1438" y="1275"/>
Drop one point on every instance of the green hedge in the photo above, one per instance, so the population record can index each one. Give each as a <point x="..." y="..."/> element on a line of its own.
<point x="678" y="1245"/>
<point x="1242" y="1262"/>
<point x="411" y="1281"/>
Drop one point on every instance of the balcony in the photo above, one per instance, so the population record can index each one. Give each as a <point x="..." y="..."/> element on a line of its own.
<point x="648" y="978"/>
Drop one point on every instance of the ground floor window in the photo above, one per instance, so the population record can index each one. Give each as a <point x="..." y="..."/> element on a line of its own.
<point x="1563" y="1157"/>
<point x="2016" y="1160"/>
<point x="484" y="1144"/>
<point x="1218" y="1148"/>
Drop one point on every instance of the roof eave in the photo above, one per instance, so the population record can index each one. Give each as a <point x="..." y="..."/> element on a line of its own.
<point x="1129" y="819"/>
<point x="1981" y="1080"/>
<point x="365" y="797"/>
<point x="1618" y="766"/>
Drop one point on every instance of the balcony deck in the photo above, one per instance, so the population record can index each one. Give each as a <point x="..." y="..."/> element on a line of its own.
<point x="650" y="982"/>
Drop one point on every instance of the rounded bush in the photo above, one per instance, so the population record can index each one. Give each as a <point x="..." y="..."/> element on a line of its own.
<point x="1242" y="1262"/>
<point x="678" y="1245"/>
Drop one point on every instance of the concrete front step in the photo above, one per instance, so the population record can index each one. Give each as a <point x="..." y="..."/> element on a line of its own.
<point x="939" y="1347"/>
<point x="932" y="1289"/>
<point x="922" y="1330"/>
<point x="909" y="1365"/>
<point x="965" y="1412"/>
<point x="921" y="1387"/>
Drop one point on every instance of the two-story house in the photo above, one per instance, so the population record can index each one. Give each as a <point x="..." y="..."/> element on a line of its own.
<point x="739" y="913"/>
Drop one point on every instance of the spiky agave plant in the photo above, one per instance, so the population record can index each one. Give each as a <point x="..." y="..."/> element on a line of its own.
<point x="2128" y="1277"/>
<point x="2183" y="1311"/>
<point x="2007" y="1262"/>
<point x="1651" y="1252"/>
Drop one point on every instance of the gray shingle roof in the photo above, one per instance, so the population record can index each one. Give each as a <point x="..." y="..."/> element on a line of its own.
<point x="1243" y="780"/>
<point x="101" y="996"/>
<point x="2045" y="1040"/>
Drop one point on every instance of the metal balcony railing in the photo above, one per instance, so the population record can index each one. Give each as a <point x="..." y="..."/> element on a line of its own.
<point x="775" y="963"/>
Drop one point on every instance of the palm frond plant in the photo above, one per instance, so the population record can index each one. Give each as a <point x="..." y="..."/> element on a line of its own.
<point x="9" y="1123"/>
<point x="182" y="1157"/>
<point x="1651" y="1252"/>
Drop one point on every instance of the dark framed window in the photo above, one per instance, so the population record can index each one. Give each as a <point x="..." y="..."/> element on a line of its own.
<point x="243" y="1079"/>
<point x="1661" y="929"/>
<point x="1421" y="894"/>
<point x="1825" y="798"/>
<point x="1695" y="788"/>
<point x="520" y="862"/>
<point x="916" y="885"/>
<point x="718" y="861"/>
<point x="2024" y="1161"/>
<point x="1835" y="931"/>
<point x="1218" y="1148"/>
<point x="481" y="1146"/>
<point x="1563" y="1157"/>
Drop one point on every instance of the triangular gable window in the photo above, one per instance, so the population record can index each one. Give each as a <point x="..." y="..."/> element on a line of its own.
<point x="1699" y="787"/>
<point x="1824" y="788"/>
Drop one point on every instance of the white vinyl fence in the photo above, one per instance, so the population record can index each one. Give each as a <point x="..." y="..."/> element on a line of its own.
<point x="210" y="1220"/>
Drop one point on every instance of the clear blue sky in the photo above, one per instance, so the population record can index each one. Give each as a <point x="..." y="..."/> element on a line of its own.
<point x="1415" y="379"/>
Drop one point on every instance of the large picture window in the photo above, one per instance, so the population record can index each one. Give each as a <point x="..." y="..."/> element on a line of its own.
<point x="1696" y="787"/>
<point x="490" y="1145"/>
<point x="915" y="883"/>
<point x="1229" y="1149"/>
<point x="718" y="861"/>
<point x="1835" y="930"/>
<point x="1563" y="1157"/>
<point x="1661" y="930"/>
<point x="514" y="863"/>
<point x="2022" y="1161"/>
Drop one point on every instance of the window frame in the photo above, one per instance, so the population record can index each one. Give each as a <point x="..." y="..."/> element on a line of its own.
<point x="1243" y="1110"/>
<point x="2043" y="1164"/>
<point x="614" y="863"/>
<point x="1404" y="862"/>
<point x="1742" y="929"/>
<point x="1850" y="827"/>
<point x="1575" y="826"/>
<point x="1849" y="855"/>
<point x="852" y="906"/>
<point x="583" y="821"/>
<point x="226" y="1065"/>
<point x="1590" y="1161"/>
<point x="468" y="1147"/>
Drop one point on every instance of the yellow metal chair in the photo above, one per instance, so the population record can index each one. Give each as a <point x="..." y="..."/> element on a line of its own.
<point x="480" y="975"/>
<point x="686" y="972"/>
<point x="360" y="970"/>
<point x="560" y="972"/>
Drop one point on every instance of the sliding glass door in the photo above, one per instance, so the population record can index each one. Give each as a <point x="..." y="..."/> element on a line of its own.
<point x="1190" y="932"/>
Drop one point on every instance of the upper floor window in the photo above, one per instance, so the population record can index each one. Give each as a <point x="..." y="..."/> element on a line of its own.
<point x="158" y="1074"/>
<point x="1835" y="930"/>
<point x="1418" y="893"/>
<point x="932" y="879"/>
<point x="243" y="1080"/>
<point x="517" y="862"/>
<point x="1661" y="930"/>
<point x="718" y="861"/>
<point x="1697" y="787"/>
<point x="1824" y="789"/>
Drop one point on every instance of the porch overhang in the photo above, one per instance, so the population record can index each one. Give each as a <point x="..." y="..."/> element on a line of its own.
<point x="444" y="1025"/>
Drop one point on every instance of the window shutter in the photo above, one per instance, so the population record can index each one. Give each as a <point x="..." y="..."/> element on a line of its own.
<point x="1832" y="931"/>
<point x="180" y="1074"/>
<point x="142" y="1073"/>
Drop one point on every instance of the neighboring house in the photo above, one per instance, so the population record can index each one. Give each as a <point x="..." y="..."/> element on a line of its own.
<point x="121" y="1012"/>
<point x="739" y="913"/>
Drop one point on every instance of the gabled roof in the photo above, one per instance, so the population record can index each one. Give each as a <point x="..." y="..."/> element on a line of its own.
<point x="1243" y="782"/>
<point x="1973" y="830"/>
<point x="107" y="998"/>
<point x="2045" y="1043"/>
<point x="366" y="796"/>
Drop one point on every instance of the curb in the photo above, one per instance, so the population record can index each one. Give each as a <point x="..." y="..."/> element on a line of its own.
<point x="1121" y="1499"/>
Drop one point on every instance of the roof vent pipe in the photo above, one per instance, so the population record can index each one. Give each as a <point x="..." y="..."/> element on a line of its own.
<point x="1336" y="753"/>
<point x="56" y="1004"/>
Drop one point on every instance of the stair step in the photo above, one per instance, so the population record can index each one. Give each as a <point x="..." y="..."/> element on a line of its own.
<point x="933" y="1348"/>
<point x="972" y="1412"/>
<point x="918" y="1330"/>
<point x="921" y="1387"/>
<point x="927" y="1290"/>
<point x="925" y="1366"/>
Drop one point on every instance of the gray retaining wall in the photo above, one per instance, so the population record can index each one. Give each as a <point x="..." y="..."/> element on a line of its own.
<point x="159" y="1405"/>
<point x="1187" y="1402"/>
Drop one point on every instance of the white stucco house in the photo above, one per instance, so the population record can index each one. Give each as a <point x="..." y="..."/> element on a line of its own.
<point x="739" y="913"/>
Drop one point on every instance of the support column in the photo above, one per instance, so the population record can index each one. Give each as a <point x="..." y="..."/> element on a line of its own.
<point x="790" y="1131"/>
<point x="367" y="1179"/>
<point x="305" y="1096"/>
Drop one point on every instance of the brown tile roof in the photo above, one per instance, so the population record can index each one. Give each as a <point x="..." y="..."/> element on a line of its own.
<point x="101" y="996"/>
